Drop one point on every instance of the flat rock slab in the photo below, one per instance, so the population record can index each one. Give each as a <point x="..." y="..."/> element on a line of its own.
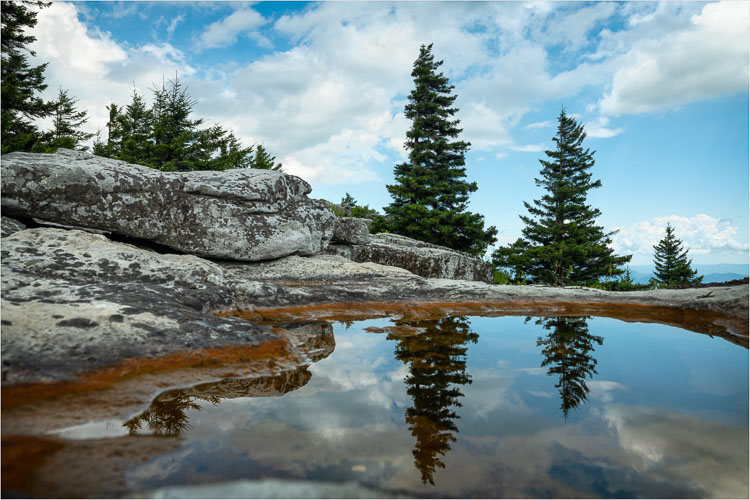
<point x="422" y="259"/>
<point x="241" y="214"/>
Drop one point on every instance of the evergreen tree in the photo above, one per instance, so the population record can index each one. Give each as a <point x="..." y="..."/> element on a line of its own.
<point x="115" y="131"/>
<point x="21" y="82"/>
<point x="137" y="126"/>
<point x="175" y="134"/>
<point x="671" y="262"/>
<point x="348" y="203"/>
<point x="562" y="244"/>
<point x="67" y="121"/>
<point x="430" y="195"/>
<point x="263" y="160"/>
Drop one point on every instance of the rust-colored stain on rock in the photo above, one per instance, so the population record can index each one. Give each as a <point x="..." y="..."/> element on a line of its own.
<point x="102" y="379"/>
<point x="21" y="456"/>
<point x="712" y="323"/>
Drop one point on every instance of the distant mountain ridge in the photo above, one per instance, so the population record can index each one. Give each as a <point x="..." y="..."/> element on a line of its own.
<point x="712" y="273"/>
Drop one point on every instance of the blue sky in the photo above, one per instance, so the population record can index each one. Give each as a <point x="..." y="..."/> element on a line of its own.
<point x="662" y="89"/>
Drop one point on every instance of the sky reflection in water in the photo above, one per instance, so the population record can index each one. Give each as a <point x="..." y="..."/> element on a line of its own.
<point x="488" y="407"/>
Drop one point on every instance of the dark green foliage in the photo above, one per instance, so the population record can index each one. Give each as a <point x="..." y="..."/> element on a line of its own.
<point x="166" y="136"/>
<point x="136" y="126"/>
<point x="671" y="262"/>
<point x="435" y="352"/>
<point x="568" y="353"/>
<point x="561" y="244"/>
<point x="67" y="121"/>
<point x="263" y="160"/>
<point x="349" y="208"/>
<point x="623" y="283"/>
<point x="348" y="202"/>
<point x="430" y="195"/>
<point x="515" y="259"/>
<point x="175" y="135"/>
<point x="21" y="82"/>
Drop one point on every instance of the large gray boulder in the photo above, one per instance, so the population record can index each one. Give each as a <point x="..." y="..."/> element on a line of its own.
<point x="352" y="230"/>
<point x="241" y="214"/>
<point x="422" y="259"/>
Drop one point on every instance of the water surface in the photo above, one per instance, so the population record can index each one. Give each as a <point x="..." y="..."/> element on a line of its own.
<point x="473" y="407"/>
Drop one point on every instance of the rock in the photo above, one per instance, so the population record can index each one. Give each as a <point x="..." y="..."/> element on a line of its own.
<point x="241" y="214"/>
<point x="422" y="259"/>
<point x="352" y="230"/>
<point x="74" y="302"/>
<point x="10" y="226"/>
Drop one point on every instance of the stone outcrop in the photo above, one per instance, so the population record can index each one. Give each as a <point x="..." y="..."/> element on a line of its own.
<point x="240" y="214"/>
<point x="74" y="301"/>
<point x="352" y="230"/>
<point x="10" y="226"/>
<point x="422" y="259"/>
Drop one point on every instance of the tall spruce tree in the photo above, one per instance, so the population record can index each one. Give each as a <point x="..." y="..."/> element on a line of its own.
<point x="562" y="244"/>
<point x="22" y="83"/>
<point x="671" y="262"/>
<point x="430" y="196"/>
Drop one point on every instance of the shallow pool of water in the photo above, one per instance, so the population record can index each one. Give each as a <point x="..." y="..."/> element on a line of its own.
<point x="466" y="407"/>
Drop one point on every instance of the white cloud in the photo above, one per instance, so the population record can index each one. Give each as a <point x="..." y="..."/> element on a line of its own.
<point x="598" y="128"/>
<point x="225" y="32"/>
<point x="78" y="56"/>
<point x="705" y="236"/>
<point x="707" y="58"/>
<point x="528" y="148"/>
<point x="536" y="125"/>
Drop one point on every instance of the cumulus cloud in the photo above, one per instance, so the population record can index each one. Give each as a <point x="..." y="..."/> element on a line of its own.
<point x="224" y="32"/>
<point x="705" y="59"/>
<point x="702" y="234"/>
<point x="78" y="56"/>
<point x="598" y="128"/>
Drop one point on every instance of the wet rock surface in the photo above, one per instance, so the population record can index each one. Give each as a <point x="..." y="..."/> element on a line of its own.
<point x="242" y="214"/>
<point x="422" y="259"/>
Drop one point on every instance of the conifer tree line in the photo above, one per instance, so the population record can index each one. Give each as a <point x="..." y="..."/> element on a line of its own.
<point x="163" y="135"/>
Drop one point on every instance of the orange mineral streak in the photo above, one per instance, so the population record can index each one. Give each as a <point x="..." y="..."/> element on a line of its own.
<point x="276" y="349"/>
<point x="21" y="455"/>
<point x="713" y="323"/>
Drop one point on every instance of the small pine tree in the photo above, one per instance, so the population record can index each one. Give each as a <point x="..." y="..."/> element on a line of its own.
<point x="22" y="83"/>
<point x="562" y="244"/>
<point x="67" y="121"/>
<point x="263" y="160"/>
<point x="671" y="262"/>
<point x="348" y="202"/>
<point x="137" y="123"/>
<point x="175" y="134"/>
<point x="430" y="196"/>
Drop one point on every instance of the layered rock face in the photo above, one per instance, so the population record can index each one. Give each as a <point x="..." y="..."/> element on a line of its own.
<point x="422" y="259"/>
<point x="241" y="214"/>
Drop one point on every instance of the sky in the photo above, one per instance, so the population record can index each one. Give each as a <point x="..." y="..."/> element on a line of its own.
<point x="661" y="88"/>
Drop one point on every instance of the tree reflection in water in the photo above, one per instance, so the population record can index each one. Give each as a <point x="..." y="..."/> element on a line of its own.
<point x="568" y="352"/>
<point x="168" y="413"/>
<point x="436" y="357"/>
